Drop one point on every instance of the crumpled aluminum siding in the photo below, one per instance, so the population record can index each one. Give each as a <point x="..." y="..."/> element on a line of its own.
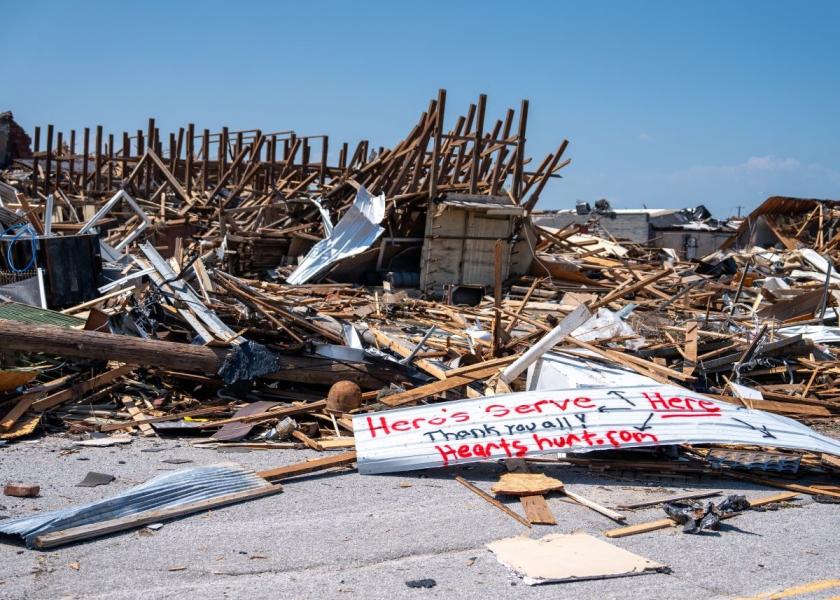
<point x="355" y="232"/>
<point x="165" y="491"/>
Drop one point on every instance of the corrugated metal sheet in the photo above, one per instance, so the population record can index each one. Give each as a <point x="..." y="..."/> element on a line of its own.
<point x="165" y="491"/>
<point x="354" y="233"/>
<point x="570" y="420"/>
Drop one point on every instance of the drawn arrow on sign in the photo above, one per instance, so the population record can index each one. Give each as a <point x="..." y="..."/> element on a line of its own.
<point x="763" y="429"/>
<point x="622" y="396"/>
<point x="603" y="409"/>
<point x="645" y="424"/>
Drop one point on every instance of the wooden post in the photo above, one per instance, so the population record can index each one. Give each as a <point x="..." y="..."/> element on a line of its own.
<point x="325" y="144"/>
<point x="479" y="133"/>
<point x="190" y="150"/>
<point x="150" y="145"/>
<point x="126" y="152"/>
<point x="59" y="154"/>
<point x="272" y="157"/>
<point x="520" y="151"/>
<point x="223" y="151"/>
<point x="110" y="180"/>
<point x="72" y="166"/>
<point x="172" y="157"/>
<point x="86" y="152"/>
<point x="179" y="146"/>
<point x="342" y="157"/>
<point x="97" y="158"/>
<point x="48" y="162"/>
<point x="37" y="149"/>
<point x="240" y="143"/>
<point x="433" y="171"/>
<point x="141" y="147"/>
<point x="497" y="298"/>
<point x="205" y="157"/>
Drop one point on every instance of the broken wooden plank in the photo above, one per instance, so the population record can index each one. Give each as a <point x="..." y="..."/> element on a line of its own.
<point x="607" y="512"/>
<point x="490" y="499"/>
<point x="424" y="391"/>
<point x="665" y="523"/>
<point x="309" y="466"/>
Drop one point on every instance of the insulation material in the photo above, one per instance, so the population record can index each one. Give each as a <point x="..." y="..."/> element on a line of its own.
<point x="561" y="558"/>
<point x="606" y="324"/>
<point x="566" y="420"/>
<point x="821" y="334"/>
<point x="354" y="233"/>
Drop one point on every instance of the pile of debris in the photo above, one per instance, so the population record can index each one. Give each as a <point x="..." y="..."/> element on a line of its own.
<point x="253" y="293"/>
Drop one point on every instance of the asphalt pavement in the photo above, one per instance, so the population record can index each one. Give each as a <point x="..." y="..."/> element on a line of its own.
<point x="344" y="535"/>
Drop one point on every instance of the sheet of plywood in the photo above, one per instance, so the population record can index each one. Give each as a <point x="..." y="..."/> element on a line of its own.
<point x="526" y="484"/>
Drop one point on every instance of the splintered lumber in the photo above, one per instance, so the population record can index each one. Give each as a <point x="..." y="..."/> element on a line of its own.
<point x="86" y="532"/>
<point x="276" y="413"/>
<point x="198" y="412"/>
<point x="76" y="391"/>
<point x="405" y="350"/>
<point x="619" y="292"/>
<point x="424" y="391"/>
<point x="302" y="437"/>
<point x="537" y="510"/>
<point x="487" y="497"/>
<point x="691" y="496"/>
<point x="794" y="487"/>
<point x="309" y="466"/>
<point x="665" y="523"/>
<point x="25" y="401"/>
<point x="137" y="415"/>
<point x="607" y="512"/>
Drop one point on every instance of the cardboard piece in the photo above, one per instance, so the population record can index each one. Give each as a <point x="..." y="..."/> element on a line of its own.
<point x="560" y="558"/>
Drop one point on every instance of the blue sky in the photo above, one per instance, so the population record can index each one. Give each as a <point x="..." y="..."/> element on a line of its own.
<point x="666" y="104"/>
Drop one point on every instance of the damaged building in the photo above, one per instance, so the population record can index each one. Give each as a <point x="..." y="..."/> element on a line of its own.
<point x="690" y="232"/>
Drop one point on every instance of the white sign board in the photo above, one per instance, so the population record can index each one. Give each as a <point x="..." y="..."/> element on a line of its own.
<point x="574" y="420"/>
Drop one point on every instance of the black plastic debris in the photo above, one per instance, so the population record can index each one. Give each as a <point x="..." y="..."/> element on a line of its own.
<point x="421" y="583"/>
<point x="93" y="479"/>
<point x="249" y="360"/>
<point x="695" y="517"/>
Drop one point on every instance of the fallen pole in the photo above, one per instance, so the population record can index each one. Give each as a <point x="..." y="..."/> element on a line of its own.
<point x="64" y="341"/>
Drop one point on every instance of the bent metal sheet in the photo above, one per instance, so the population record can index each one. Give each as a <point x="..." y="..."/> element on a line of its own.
<point x="573" y="420"/>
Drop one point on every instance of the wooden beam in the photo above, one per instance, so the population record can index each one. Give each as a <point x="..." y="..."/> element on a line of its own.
<point x="491" y="500"/>
<point x="424" y="391"/>
<point x="666" y="523"/>
<point x="309" y="466"/>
